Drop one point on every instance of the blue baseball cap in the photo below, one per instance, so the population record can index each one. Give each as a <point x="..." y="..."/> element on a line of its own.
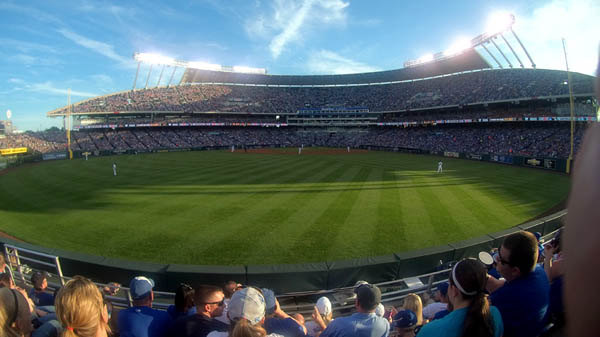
<point x="405" y="319"/>
<point x="140" y="287"/>
<point x="443" y="288"/>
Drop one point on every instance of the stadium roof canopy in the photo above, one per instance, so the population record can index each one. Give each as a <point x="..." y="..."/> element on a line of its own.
<point x="469" y="60"/>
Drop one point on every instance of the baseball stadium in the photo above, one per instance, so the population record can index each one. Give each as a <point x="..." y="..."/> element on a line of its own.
<point x="303" y="184"/>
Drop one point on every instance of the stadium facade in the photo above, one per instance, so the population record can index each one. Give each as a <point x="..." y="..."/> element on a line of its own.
<point x="461" y="99"/>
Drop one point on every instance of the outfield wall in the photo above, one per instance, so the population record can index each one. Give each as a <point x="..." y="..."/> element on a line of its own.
<point x="553" y="164"/>
<point x="286" y="278"/>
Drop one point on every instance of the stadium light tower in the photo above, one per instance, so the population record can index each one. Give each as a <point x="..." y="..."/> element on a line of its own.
<point x="457" y="47"/>
<point x="497" y="25"/>
<point x="156" y="59"/>
<point x="499" y="22"/>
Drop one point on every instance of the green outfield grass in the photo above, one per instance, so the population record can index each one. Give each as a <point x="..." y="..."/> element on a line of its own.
<point x="247" y="208"/>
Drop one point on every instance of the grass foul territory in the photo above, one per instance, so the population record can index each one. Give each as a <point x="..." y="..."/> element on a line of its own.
<point x="267" y="206"/>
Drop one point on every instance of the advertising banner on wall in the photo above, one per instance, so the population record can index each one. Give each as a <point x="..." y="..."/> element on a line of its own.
<point x="451" y="154"/>
<point x="535" y="162"/>
<point x="550" y="164"/>
<point x="502" y="159"/>
<point x="54" y="156"/>
<point x="474" y="156"/>
<point x="11" y="151"/>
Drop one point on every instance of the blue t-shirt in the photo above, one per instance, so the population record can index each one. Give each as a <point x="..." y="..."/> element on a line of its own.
<point x="172" y="311"/>
<point x="196" y="326"/>
<point x="284" y="326"/>
<point x="452" y="324"/>
<point x="556" y="308"/>
<point x="144" y="322"/>
<point x="41" y="298"/>
<point x="523" y="304"/>
<point x="358" y="325"/>
<point x="493" y="272"/>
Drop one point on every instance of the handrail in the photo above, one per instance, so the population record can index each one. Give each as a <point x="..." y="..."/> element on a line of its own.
<point x="14" y="260"/>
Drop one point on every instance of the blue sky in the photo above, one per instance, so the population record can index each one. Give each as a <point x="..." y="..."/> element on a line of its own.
<point x="49" y="46"/>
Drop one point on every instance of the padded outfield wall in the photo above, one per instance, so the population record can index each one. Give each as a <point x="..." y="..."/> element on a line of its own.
<point x="285" y="278"/>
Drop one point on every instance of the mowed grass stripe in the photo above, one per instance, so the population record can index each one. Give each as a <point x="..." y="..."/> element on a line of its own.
<point x="263" y="232"/>
<point x="362" y="218"/>
<point x="246" y="224"/>
<point x="191" y="223"/>
<point x="287" y="235"/>
<point x="330" y="221"/>
<point x="388" y="228"/>
<point x="163" y="206"/>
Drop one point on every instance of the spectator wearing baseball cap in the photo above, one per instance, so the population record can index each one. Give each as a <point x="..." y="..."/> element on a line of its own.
<point x="322" y="316"/>
<point x="441" y="304"/>
<point x="363" y="323"/>
<point x="405" y="323"/>
<point x="246" y="312"/>
<point x="141" y="320"/>
<point x="38" y="293"/>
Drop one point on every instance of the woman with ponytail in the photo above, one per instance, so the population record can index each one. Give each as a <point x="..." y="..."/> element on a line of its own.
<point x="472" y="314"/>
<point x="246" y="311"/>
<point x="15" y="315"/>
<point x="81" y="310"/>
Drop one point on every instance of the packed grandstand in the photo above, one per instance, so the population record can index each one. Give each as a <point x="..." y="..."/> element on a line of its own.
<point x="492" y="111"/>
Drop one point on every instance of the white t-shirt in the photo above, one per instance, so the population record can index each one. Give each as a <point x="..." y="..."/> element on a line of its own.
<point x="312" y="328"/>
<point x="431" y="309"/>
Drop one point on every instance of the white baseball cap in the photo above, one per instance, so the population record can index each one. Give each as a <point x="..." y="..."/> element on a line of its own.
<point x="247" y="303"/>
<point x="324" y="306"/>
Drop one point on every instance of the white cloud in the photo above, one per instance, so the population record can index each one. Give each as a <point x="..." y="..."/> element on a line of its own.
<point x="49" y="88"/>
<point x="23" y="59"/>
<point x="27" y="47"/>
<point x="328" y="62"/>
<point x="96" y="46"/>
<point x="32" y="12"/>
<point x="576" y="21"/>
<point x="102" y="79"/>
<point x="29" y="60"/>
<point x="290" y="21"/>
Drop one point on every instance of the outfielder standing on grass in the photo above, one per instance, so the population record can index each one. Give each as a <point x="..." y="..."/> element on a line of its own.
<point x="440" y="164"/>
<point x="114" y="169"/>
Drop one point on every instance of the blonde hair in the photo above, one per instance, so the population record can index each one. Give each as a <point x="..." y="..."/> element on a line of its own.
<point x="8" y="316"/>
<point x="80" y="308"/>
<point x="243" y="328"/>
<point x="413" y="303"/>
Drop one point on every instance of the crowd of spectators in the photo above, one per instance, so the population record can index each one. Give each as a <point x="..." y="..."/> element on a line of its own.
<point x="534" y="139"/>
<point x="513" y="300"/>
<point x="459" y="89"/>
<point x="42" y="142"/>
